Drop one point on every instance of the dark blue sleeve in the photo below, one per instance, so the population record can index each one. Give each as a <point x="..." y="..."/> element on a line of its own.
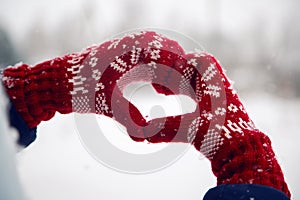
<point x="244" y="192"/>
<point x="26" y="135"/>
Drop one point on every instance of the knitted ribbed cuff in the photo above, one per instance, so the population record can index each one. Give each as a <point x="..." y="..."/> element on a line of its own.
<point x="37" y="92"/>
<point x="248" y="159"/>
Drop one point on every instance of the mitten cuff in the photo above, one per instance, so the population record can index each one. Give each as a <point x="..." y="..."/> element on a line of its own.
<point x="37" y="92"/>
<point x="248" y="158"/>
<point x="14" y="83"/>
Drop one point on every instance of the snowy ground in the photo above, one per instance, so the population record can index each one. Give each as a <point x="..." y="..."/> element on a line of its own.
<point x="58" y="167"/>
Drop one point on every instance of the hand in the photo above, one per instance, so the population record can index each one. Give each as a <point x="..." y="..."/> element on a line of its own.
<point x="93" y="81"/>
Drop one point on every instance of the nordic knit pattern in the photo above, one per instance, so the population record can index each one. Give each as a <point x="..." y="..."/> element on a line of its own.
<point x="92" y="81"/>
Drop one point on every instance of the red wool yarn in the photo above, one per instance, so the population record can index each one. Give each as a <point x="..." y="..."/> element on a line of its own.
<point x="93" y="80"/>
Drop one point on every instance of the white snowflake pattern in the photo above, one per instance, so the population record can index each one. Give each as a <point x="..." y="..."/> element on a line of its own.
<point x="227" y="133"/>
<point x="152" y="64"/>
<point x="233" y="108"/>
<point x="159" y="38"/>
<point x="131" y="35"/>
<point x="96" y="74"/>
<point x="193" y="128"/>
<point x="135" y="55"/>
<point x="188" y="73"/>
<point x="211" y="143"/>
<point x="93" y="61"/>
<point x="234" y="126"/>
<point x="77" y="79"/>
<point x="101" y="104"/>
<point x="155" y="54"/>
<point x="192" y="62"/>
<point x="157" y="44"/>
<point x="198" y="90"/>
<point x="242" y="109"/>
<point x="99" y="86"/>
<point x="220" y="111"/>
<point x="119" y="65"/>
<point x="184" y="84"/>
<point x="93" y="52"/>
<point x="213" y="90"/>
<point x="207" y="115"/>
<point x="245" y="125"/>
<point x="114" y="44"/>
<point x="81" y="104"/>
<point x="75" y="59"/>
<point x="209" y="73"/>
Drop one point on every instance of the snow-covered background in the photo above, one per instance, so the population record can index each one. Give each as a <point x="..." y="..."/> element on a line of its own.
<point x="257" y="42"/>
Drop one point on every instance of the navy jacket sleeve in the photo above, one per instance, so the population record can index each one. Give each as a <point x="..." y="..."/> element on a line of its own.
<point x="244" y="192"/>
<point x="26" y="135"/>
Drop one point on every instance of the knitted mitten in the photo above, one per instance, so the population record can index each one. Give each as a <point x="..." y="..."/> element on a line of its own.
<point x="220" y="128"/>
<point x="86" y="82"/>
<point x="93" y="81"/>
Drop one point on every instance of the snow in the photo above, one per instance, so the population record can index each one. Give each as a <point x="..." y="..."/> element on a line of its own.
<point x="10" y="187"/>
<point x="58" y="166"/>
<point x="279" y="118"/>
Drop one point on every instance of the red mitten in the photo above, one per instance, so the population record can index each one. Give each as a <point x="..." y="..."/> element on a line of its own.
<point x="85" y="82"/>
<point x="93" y="81"/>
<point x="220" y="128"/>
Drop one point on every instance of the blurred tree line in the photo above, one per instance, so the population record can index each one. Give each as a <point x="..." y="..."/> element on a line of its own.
<point x="257" y="58"/>
<point x="8" y="55"/>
